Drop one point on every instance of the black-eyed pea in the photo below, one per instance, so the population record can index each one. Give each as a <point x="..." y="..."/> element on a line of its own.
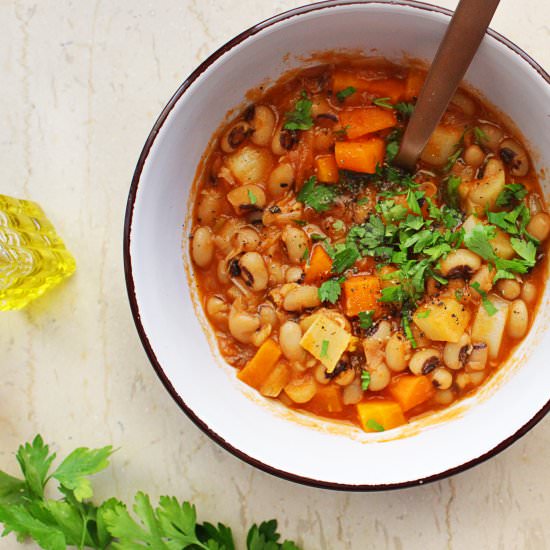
<point x="210" y="206"/>
<point x="235" y="136"/>
<point x="247" y="239"/>
<point x="290" y="335"/>
<point x="294" y="274"/>
<point x="283" y="141"/>
<point x="280" y="180"/>
<point x="398" y="352"/>
<point x="474" y="156"/>
<point x="246" y="197"/>
<point x="353" y="393"/>
<point x="478" y="357"/>
<point x="460" y="263"/>
<point x="242" y="324"/>
<point x="222" y="272"/>
<point x="528" y="292"/>
<point x="444" y="397"/>
<point x="491" y="136"/>
<point x="345" y="378"/>
<point x="202" y="246"/>
<point x="539" y="226"/>
<point x="301" y="297"/>
<point x="302" y="389"/>
<point x="518" y="319"/>
<point x="254" y="271"/>
<point x="263" y="124"/>
<point x="514" y="156"/>
<point x="424" y="361"/>
<point x="296" y="243"/>
<point x="320" y="374"/>
<point x="455" y="354"/>
<point x="217" y="309"/>
<point x="509" y="289"/>
<point x="441" y="378"/>
<point x="380" y="377"/>
<point x="462" y="380"/>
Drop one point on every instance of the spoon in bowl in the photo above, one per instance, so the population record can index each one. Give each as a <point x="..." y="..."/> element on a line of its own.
<point x="455" y="53"/>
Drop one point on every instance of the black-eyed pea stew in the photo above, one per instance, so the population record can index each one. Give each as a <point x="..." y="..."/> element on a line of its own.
<point x="345" y="287"/>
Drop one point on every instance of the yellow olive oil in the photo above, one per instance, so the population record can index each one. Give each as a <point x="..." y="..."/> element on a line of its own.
<point x="33" y="258"/>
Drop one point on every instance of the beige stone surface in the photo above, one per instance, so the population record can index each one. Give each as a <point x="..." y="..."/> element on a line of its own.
<point x="82" y="83"/>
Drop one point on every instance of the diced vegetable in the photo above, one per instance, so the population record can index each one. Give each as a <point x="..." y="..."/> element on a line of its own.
<point x="326" y="341"/>
<point x="319" y="265"/>
<point x="258" y="369"/>
<point x="486" y="190"/>
<point x="360" y="156"/>
<point x="367" y="120"/>
<point x="377" y="412"/>
<point x="413" y="84"/>
<point x="327" y="169"/>
<point x="276" y="381"/>
<point x="380" y="87"/>
<point x="443" y="143"/>
<point x="490" y="328"/>
<point x="410" y="390"/>
<point x="444" y="320"/>
<point x="328" y="399"/>
<point x="361" y="293"/>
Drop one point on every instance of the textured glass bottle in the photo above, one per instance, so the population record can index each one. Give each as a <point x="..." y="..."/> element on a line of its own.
<point x="33" y="258"/>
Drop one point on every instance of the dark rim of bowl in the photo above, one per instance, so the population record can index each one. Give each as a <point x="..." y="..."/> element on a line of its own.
<point x="130" y="279"/>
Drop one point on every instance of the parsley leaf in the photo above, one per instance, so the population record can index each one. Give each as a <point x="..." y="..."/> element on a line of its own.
<point x="56" y="524"/>
<point x="512" y="192"/>
<point x="300" y="118"/>
<point x="487" y="304"/>
<point x="330" y="291"/>
<point x="344" y="258"/>
<point x="365" y="380"/>
<point x="346" y="92"/>
<point x="366" y="319"/>
<point x="408" y="331"/>
<point x="479" y="135"/>
<point x="406" y="109"/>
<point x="451" y="161"/>
<point x="525" y="249"/>
<point x="252" y="197"/>
<point x="374" y="425"/>
<point x="318" y="196"/>
<point x="477" y="240"/>
<point x="324" y="348"/>
<point x="383" y="102"/>
<point x="453" y="183"/>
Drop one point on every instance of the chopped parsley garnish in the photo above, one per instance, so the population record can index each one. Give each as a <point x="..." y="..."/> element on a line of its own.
<point x="338" y="225"/>
<point x="324" y="348"/>
<point x="305" y="255"/>
<point x="383" y="102"/>
<point x="344" y="258"/>
<point x="330" y="291"/>
<point x="366" y="319"/>
<point x="365" y="379"/>
<point x="407" y="329"/>
<point x="453" y="183"/>
<point x="300" y="118"/>
<point x="479" y="135"/>
<point x="406" y="109"/>
<point x="317" y="237"/>
<point x="487" y="304"/>
<point x="451" y="161"/>
<point x="301" y="223"/>
<point x="373" y="425"/>
<point x="423" y="314"/>
<point x="252" y="197"/>
<point x="512" y="192"/>
<point x="346" y="92"/>
<point x="316" y="195"/>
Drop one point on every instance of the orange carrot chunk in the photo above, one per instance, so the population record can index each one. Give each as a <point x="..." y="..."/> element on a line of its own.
<point x="378" y="415"/>
<point x="319" y="265"/>
<point x="360" y="156"/>
<point x="410" y="390"/>
<point x="327" y="169"/>
<point x="257" y="370"/>
<point x="361" y="293"/>
<point x="367" y="120"/>
<point x="379" y="87"/>
<point x="414" y="82"/>
<point x="328" y="399"/>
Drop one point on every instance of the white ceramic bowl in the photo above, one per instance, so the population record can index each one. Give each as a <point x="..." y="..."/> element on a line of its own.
<point x="162" y="293"/>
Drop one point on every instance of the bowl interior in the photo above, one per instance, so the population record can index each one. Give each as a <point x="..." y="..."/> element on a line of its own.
<point x="171" y="321"/>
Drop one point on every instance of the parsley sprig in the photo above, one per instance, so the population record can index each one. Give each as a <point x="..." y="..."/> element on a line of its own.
<point x="300" y="118"/>
<point x="75" y="521"/>
<point x="316" y="195"/>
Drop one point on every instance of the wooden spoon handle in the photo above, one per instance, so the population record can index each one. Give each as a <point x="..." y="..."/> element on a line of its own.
<point x="460" y="43"/>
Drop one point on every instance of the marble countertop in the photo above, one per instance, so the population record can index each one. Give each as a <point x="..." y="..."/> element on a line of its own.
<point x="82" y="84"/>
